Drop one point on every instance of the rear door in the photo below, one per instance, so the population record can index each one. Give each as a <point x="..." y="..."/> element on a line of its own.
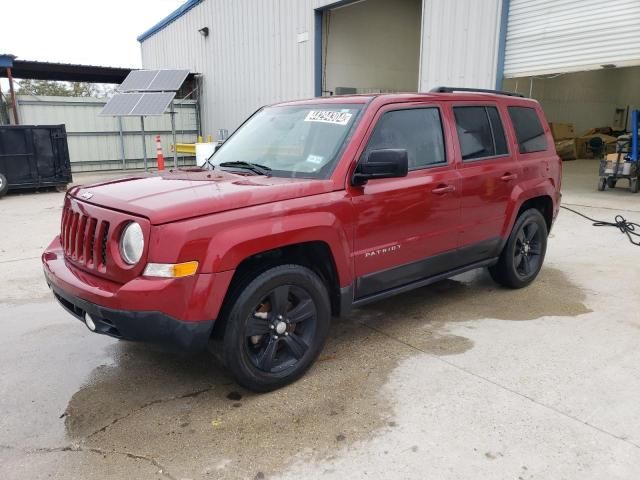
<point x="489" y="173"/>
<point x="405" y="228"/>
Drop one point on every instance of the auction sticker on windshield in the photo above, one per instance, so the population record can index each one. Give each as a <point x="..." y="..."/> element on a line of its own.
<point x="328" y="116"/>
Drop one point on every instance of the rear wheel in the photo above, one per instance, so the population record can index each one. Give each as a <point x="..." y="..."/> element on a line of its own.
<point x="4" y="185"/>
<point x="276" y="328"/>
<point x="523" y="255"/>
<point x="611" y="182"/>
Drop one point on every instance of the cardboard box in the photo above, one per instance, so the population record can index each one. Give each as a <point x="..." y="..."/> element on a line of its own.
<point x="566" y="149"/>
<point x="593" y="131"/>
<point x="562" y="131"/>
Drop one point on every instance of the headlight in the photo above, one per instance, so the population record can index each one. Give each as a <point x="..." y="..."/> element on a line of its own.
<point x="132" y="243"/>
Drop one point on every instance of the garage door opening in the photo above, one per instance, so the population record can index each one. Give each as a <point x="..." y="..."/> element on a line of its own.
<point x="371" y="46"/>
<point x="595" y="102"/>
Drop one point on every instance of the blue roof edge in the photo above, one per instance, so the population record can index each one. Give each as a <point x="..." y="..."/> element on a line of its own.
<point x="173" y="16"/>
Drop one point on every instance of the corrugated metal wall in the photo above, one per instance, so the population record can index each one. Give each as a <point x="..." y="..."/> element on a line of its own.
<point x="251" y="57"/>
<point x="94" y="141"/>
<point x="256" y="52"/>
<point x="459" y="43"/>
<point x="553" y="36"/>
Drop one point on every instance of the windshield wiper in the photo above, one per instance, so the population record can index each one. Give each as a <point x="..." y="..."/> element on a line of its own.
<point x="254" y="167"/>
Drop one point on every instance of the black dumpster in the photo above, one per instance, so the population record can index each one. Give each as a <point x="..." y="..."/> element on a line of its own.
<point x="33" y="156"/>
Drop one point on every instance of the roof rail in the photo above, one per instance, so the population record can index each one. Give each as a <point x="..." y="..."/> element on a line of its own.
<point x="480" y="90"/>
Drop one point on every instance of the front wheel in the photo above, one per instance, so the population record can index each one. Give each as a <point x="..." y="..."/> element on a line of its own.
<point x="276" y="328"/>
<point x="602" y="183"/>
<point x="523" y="255"/>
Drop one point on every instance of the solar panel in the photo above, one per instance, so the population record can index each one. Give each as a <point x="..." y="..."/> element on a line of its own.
<point x="137" y="104"/>
<point x="153" y="103"/>
<point x="168" y="80"/>
<point x="138" y="80"/>
<point x="153" y="80"/>
<point x="121" y="104"/>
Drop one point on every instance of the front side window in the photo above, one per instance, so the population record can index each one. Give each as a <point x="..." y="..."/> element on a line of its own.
<point x="290" y="141"/>
<point x="480" y="132"/>
<point x="418" y="131"/>
<point x="529" y="131"/>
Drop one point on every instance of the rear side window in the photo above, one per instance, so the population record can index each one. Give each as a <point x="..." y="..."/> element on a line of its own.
<point x="480" y="132"/>
<point x="529" y="131"/>
<point x="417" y="130"/>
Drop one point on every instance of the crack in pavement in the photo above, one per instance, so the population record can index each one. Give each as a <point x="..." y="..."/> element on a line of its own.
<point x="78" y="448"/>
<point x="504" y="387"/>
<point x="149" y="404"/>
<point x="11" y="260"/>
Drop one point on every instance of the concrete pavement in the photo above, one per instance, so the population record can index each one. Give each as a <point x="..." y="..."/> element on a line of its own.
<point x="457" y="380"/>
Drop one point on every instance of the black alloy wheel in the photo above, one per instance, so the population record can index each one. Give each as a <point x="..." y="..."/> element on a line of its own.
<point x="526" y="254"/>
<point x="523" y="255"/>
<point x="276" y="327"/>
<point x="280" y="329"/>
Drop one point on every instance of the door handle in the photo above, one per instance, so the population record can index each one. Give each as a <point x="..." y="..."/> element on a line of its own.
<point x="507" y="177"/>
<point x="442" y="189"/>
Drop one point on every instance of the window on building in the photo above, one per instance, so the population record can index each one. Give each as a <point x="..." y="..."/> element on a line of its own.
<point x="480" y="132"/>
<point x="418" y="130"/>
<point x="529" y="131"/>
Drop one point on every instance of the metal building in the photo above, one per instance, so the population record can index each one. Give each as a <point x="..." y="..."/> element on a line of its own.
<point x="254" y="52"/>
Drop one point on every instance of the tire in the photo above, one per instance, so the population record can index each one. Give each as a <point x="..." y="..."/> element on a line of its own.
<point x="633" y="185"/>
<point x="4" y="185"/>
<point x="611" y="182"/>
<point x="288" y="311"/>
<point x="523" y="255"/>
<point x="602" y="183"/>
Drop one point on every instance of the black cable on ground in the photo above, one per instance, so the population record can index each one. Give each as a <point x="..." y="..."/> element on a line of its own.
<point x="621" y="223"/>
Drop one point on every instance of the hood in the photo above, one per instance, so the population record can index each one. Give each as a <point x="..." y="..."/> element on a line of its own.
<point x="172" y="196"/>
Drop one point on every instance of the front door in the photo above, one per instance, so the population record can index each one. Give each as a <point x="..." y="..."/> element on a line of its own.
<point x="405" y="228"/>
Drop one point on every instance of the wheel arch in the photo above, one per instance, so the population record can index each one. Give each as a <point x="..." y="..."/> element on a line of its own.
<point x="315" y="255"/>
<point x="542" y="203"/>
<point x="539" y="197"/>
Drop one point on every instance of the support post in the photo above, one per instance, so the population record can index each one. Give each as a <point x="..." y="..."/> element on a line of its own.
<point x="13" y="97"/>
<point x="634" y="135"/>
<point x="122" y="157"/>
<point x="144" y="145"/>
<point x="172" y="113"/>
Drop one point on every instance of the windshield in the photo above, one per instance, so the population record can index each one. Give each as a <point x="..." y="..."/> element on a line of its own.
<point x="301" y="141"/>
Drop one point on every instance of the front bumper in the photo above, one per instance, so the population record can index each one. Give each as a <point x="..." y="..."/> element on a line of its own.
<point x="178" y="312"/>
<point x="146" y="326"/>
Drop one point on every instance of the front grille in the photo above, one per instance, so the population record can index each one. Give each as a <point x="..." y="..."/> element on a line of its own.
<point x="84" y="239"/>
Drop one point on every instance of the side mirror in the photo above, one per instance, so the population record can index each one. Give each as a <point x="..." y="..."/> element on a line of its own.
<point x="385" y="163"/>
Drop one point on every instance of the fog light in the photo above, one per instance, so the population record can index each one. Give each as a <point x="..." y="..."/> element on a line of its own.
<point x="89" y="321"/>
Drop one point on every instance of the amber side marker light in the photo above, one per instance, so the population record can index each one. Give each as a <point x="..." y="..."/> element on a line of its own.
<point x="170" y="270"/>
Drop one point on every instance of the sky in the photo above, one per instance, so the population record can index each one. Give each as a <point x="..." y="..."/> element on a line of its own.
<point x="94" y="32"/>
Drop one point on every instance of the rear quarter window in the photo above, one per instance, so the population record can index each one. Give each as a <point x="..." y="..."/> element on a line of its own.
<point x="528" y="128"/>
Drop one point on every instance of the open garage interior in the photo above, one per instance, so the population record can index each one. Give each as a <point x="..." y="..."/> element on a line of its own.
<point x="371" y="46"/>
<point x="593" y="99"/>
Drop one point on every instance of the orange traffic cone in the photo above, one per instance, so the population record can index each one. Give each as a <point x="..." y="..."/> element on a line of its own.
<point x="159" y="154"/>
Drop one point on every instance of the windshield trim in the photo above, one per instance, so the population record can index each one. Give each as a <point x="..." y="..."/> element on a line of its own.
<point x="359" y="107"/>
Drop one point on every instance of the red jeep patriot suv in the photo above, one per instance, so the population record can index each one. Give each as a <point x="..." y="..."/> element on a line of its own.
<point x="309" y="209"/>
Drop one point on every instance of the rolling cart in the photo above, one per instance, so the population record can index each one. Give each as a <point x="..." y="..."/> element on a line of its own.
<point x="626" y="164"/>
